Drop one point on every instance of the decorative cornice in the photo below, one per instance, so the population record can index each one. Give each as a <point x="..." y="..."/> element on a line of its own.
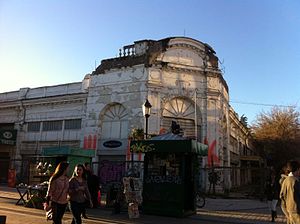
<point x="51" y="100"/>
<point x="181" y="69"/>
<point x="200" y="52"/>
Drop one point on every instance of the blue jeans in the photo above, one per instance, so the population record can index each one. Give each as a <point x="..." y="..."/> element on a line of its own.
<point x="77" y="210"/>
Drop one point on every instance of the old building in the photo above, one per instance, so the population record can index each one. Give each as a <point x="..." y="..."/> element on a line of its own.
<point x="43" y="117"/>
<point x="179" y="76"/>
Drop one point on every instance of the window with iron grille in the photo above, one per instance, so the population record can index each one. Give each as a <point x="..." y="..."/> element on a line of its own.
<point x="52" y="125"/>
<point x="183" y="112"/>
<point x="33" y="126"/>
<point x="73" y="124"/>
<point x="187" y="125"/>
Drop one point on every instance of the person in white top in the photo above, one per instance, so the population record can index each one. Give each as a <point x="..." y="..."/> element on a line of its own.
<point x="57" y="193"/>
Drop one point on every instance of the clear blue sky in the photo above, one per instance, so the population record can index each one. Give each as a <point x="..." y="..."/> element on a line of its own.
<point x="53" y="42"/>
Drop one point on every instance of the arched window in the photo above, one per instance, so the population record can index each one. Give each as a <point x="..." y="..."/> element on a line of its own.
<point x="182" y="111"/>
<point x="115" y="122"/>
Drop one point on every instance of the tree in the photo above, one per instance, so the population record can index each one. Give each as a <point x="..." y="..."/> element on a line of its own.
<point x="276" y="135"/>
<point x="137" y="134"/>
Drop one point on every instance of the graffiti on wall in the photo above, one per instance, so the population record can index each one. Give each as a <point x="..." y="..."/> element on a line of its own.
<point x="212" y="156"/>
<point x="90" y="141"/>
<point x="111" y="171"/>
<point x="163" y="179"/>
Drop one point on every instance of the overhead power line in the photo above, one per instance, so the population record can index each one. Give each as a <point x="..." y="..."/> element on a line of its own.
<point x="260" y="104"/>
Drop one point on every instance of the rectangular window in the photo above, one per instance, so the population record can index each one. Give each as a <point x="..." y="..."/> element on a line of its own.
<point x="115" y="129"/>
<point x="52" y="125"/>
<point x="73" y="124"/>
<point x="33" y="126"/>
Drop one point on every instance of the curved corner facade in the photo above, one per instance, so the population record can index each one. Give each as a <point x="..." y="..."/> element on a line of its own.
<point x="179" y="76"/>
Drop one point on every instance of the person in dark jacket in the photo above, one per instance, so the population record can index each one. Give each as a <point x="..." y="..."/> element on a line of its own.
<point x="272" y="193"/>
<point x="93" y="184"/>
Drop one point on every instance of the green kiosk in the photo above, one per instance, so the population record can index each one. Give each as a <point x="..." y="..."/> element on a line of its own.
<point x="170" y="166"/>
<point x="55" y="155"/>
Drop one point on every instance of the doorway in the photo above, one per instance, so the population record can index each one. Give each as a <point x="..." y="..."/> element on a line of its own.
<point x="4" y="166"/>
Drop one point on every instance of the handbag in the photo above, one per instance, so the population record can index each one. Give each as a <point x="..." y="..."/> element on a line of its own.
<point x="49" y="210"/>
<point x="49" y="214"/>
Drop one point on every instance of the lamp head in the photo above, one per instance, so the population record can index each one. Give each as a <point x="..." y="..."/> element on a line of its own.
<point x="147" y="108"/>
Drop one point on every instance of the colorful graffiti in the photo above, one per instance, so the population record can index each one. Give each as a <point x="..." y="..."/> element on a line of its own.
<point x="111" y="171"/>
<point x="139" y="150"/>
<point x="212" y="158"/>
<point x="163" y="179"/>
<point x="90" y="142"/>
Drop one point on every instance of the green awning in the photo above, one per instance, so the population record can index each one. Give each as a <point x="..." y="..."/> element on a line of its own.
<point x="67" y="151"/>
<point x="177" y="146"/>
<point x="199" y="148"/>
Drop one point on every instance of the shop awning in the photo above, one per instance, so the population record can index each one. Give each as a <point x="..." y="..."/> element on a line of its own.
<point x="66" y="151"/>
<point x="169" y="143"/>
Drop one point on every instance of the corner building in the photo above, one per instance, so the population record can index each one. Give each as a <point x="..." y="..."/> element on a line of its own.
<point x="179" y="76"/>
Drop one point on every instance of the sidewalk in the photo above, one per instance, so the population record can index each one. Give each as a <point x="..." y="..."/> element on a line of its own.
<point x="9" y="192"/>
<point x="217" y="210"/>
<point x="248" y="210"/>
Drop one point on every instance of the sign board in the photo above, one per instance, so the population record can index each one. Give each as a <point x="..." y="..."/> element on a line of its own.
<point x="112" y="144"/>
<point x="8" y="137"/>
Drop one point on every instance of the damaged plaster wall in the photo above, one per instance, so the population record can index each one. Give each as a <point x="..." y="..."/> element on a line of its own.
<point x="161" y="71"/>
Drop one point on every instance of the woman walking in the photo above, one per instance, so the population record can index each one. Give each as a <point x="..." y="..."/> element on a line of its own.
<point x="57" y="192"/>
<point x="79" y="194"/>
<point x="272" y="192"/>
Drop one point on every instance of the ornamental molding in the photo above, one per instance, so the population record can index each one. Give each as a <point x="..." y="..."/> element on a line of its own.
<point x="201" y="53"/>
<point x="56" y="100"/>
<point x="10" y="106"/>
<point x="202" y="70"/>
<point x="181" y="69"/>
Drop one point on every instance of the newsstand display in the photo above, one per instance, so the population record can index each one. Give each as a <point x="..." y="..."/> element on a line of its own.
<point x="170" y="167"/>
<point x="133" y="194"/>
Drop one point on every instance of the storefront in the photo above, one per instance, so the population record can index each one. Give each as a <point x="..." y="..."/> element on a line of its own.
<point x="7" y="146"/>
<point x="54" y="155"/>
<point x="170" y="168"/>
<point x="4" y="166"/>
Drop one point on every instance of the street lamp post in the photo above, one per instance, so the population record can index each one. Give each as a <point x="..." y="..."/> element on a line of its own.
<point x="146" y="111"/>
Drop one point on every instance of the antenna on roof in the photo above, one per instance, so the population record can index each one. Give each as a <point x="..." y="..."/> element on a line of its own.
<point x="95" y="64"/>
<point x="184" y="32"/>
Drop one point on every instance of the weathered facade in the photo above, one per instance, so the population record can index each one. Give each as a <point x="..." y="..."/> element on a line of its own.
<point x="179" y="76"/>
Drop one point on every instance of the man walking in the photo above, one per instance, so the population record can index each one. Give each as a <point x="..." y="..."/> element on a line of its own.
<point x="290" y="193"/>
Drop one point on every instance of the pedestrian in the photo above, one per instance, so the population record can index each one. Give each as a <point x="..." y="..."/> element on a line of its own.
<point x="57" y="193"/>
<point x="86" y="175"/>
<point x="79" y="194"/>
<point x="290" y="192"/>
<point x="272" y="193"/>
<point x="284" y="174"/>
<point x="93" y="184"/>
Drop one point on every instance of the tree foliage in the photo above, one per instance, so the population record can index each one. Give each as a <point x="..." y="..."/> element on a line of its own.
<point x="276" y="135"/>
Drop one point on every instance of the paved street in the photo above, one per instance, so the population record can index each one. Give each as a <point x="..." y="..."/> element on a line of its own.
<point x="215" y="211"/>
